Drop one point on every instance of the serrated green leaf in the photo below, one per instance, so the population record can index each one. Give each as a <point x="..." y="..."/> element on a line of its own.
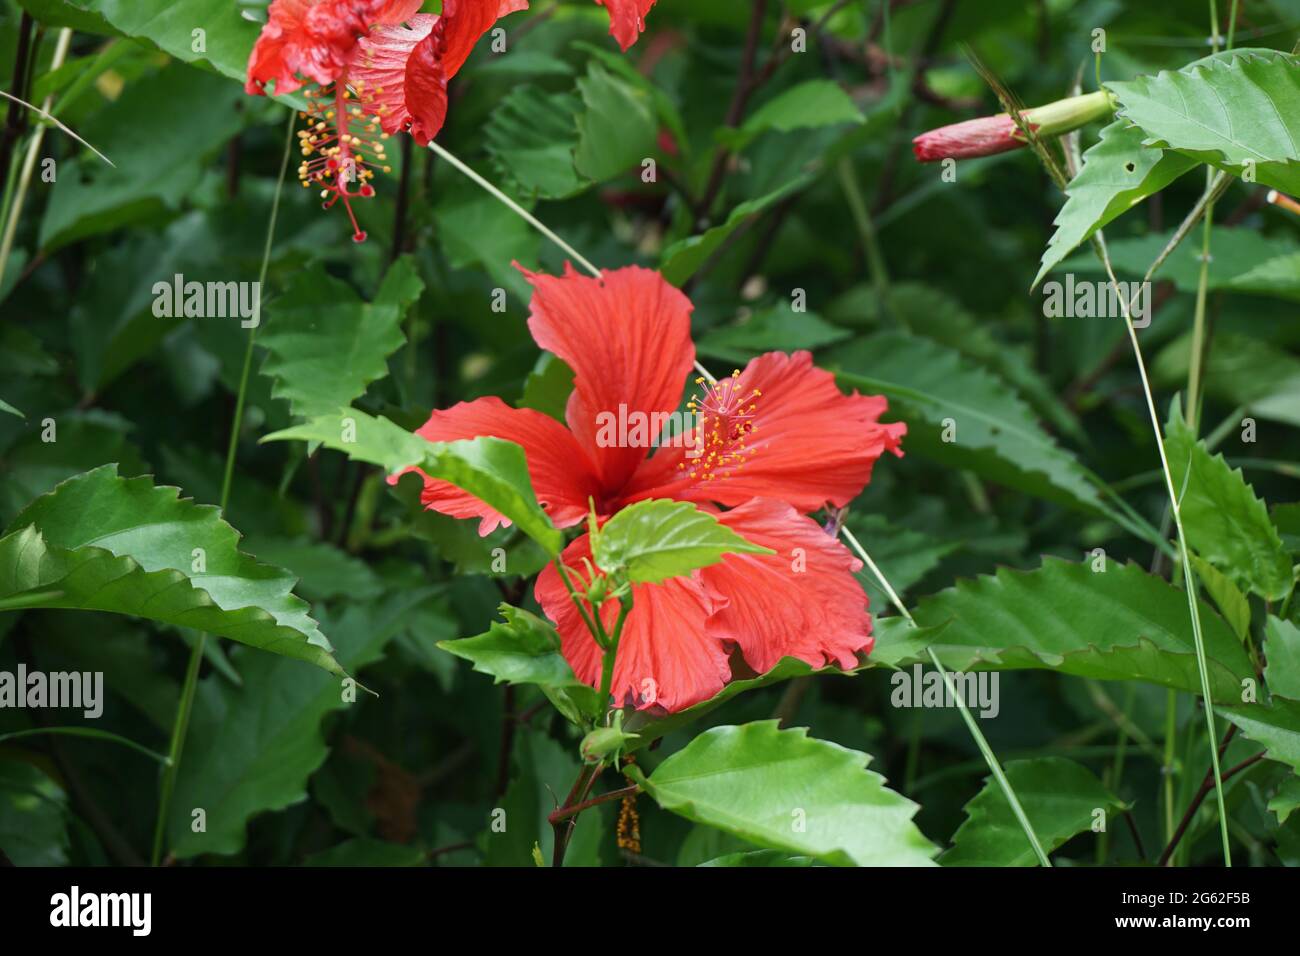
<point x="1287" y="799"/>
<point x="1228" y="109"/>
<point x="531" y="138"/>
<point x="1059" y="796"/>
<point x="1117" y="624"/>
<point x="99" y="542"/>
<point x="1282" y="645"/>
<point x="652" y="541"/>
<point x="617" y="129"/>
<point x="326" y="345"/>
<point x="524" y="649"/>
<point x="1276" y="727"/>
<point x="1117" y="174"/>
<point x="1224" y="521"/>
<point x="491" y="469"/>
<point x="787" y="791"/>
<point x="994" y="433"/>
<point x="1232" y="603"/>
<point x="251" y="749"/>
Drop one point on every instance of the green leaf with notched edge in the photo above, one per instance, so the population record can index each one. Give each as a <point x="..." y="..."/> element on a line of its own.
<point x="1287" y="799"/>
<point x="524" y="649"/>
<point x="1282" y="647"/>
<point x="994" y="433"/>
<point x="617" y="129"/>
<point x="1117" y="624"/>
<point x="1232" y="604"/>
<point x="531" y="137"/>
<point x="787" y="791"/>
<point x="1276" y="727"/>
<point x="326" y="345"/>
<point x="491" y="469"/>
<point x="652" y="541"/>
<point x="1059" y="796"/>
<point x="251" y="749"/>
<point x="1229" y="109"/>
<point x="1224" y="521"/>
<point x="1118" y="173"/>
<point x="99" y="542"/>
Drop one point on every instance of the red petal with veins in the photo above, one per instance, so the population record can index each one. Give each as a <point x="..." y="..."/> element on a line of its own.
<point x="666" y="657"/>
<point x="627" y="337"/>
<point x="378" y="70"/>
<point x="810" y="444"/>
<point x="561" y="474"/>
<point x="626" y="19"/>
<point x="803" y="601"/>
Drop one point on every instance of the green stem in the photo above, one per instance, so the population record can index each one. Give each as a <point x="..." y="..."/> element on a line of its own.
<point x="867" y="233"/>
<point x="186" y="704"/>
<point x="611" y="652"/>
<point x="989" y="757"/>
<point x="89" y="733"/>
<point x="1167" y="768"/>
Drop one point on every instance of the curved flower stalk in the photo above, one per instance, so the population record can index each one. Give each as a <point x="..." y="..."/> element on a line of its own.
<point x="990" y="135"/>
<point x="765" y="447"/>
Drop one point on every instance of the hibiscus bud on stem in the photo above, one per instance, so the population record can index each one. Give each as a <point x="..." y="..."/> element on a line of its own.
<point x="990" y="135"/>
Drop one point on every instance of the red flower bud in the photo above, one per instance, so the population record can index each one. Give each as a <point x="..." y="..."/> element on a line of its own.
<point x="990" y="135"/>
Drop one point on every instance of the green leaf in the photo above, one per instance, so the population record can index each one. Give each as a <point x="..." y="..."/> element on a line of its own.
<point x="763" y="858"/>
<point x="326" y="345"/>
<point x="1059" y="796"/>
<point x="787" y="791"/>
<point x="1276" y="727"/>
<point x="1225" y="523"/>
<point x="1282" y="645"/>
<point x="493" y="470"/>
<point x="189" y="115"/>
<point x="324" y="572"/>
<point x="1228" y="109"/>
<point x="33" y="816"/>
<point x="1232" y="603"/>
<point x="808" y="105"/>
<point x="99" y="542"/>
<point x="617" y="129"/>
<point x="228" y="37"/>
<point x="652" y="541"/>
<point x="683" y="258"/>
<point x="1287" y="799"/>
<point x="364" y="851"/>
<point x="6" y="407"/>
<point x="548" y="386"/>
<point x="531" y="138"/>
<point x="524" y="649"/>
<point x="1117" y="624"/>
<point x="779" y="328"/>
<point x="251" y="749"/>
<point x="1239" y="370"/>
<point x="1117" y="174"/>
<point x="993" y="432"/>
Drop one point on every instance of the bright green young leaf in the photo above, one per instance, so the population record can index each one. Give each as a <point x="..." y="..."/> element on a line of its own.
<point x="1225" y="523"/>
<point x="1117" y="174"/>
<point x="787" y="791"/>
<point x="652" y="541"/>
<point x="491" y="469"/>
<point x="1282" y="647"/>
<point x="1236" y="110"/>
<point x="244" y="757"/>
<point x="524" y="649"/>
<point x="617" y="130"/>
<point x="1059" y="796"/>
<point x="1117" y="624"/>
<point x="326" y="344"/>
<point x="100" y="542"/>
<point x="811" y="104"/>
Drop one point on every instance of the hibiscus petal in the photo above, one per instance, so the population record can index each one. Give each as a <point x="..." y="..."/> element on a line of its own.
<point x="665" y="656"/>
<point x="810" y="444"/>
<point x="803" y="601"/>
<point x="627" y="337"/>
<point x="626" y="19"/>
<point x="401" y="73"/>
<point x="561" y="474"/>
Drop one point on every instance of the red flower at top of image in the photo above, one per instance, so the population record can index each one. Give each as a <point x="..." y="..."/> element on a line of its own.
<point x="780" y="440"/>
<point x="626" y="19"/>
<point x="376" y="64"/>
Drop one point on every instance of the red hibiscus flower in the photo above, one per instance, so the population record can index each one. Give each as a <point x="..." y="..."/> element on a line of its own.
<point x="626" y="19"/>
<point x="779" y="440"/>
<point x="367" y="57"/>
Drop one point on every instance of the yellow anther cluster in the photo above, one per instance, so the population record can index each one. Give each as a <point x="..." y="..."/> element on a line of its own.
<point x="726" y="424"/>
